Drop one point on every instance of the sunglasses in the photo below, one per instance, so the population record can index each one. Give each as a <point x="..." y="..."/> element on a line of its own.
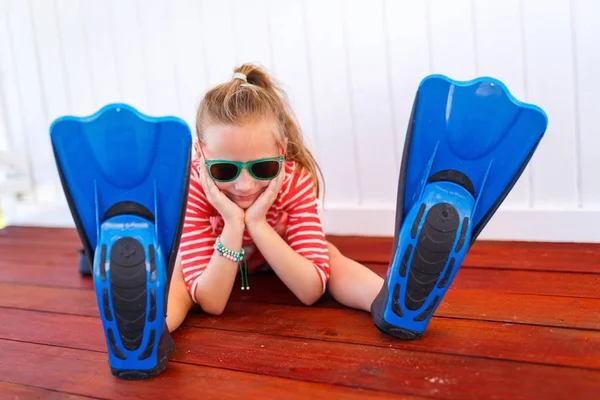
<point x="264" y="169"/>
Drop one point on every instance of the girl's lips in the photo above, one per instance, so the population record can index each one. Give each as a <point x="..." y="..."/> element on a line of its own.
<point x="248" y="197"/>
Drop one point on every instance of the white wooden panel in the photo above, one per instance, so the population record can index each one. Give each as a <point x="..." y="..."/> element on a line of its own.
<point x="550" y="85"/>
<point x="99" y="41"/>
<point x="452" y="41"/>
<point x="406" y="34"/>
<point x="217" y="40"/>
<point x="78" y="76"/>
<point x="533" y="225"/>
<point x="250" y="33"/>
<point x="11" y="101"/>
<point x="291" y="68"/>
<point x="331" y="94"/>
<point x="28" y="80"/>
<point x="129" y="56"/>
<point x="350" y="68"/>
<point x="371" y="102"/>
<point x="5" y="143"/>
<point x="191" y="64"/>
<point x="158" y="54"/>
<point x="53" y="94"/>
<point x="499" y="52"/>
<point x="50" y="59"/>
<point x="586" y="14"/>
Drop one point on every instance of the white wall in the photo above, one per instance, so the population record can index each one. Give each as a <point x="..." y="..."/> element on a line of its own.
<point x="350" y="68"/>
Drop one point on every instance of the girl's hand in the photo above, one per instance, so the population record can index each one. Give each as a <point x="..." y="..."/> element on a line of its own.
<point x="230" y="212"/>
<point x="256" y="213"/>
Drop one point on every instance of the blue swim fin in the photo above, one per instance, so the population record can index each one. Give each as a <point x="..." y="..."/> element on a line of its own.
<point x="125" y="176"/>
<point x="466" y="146"/>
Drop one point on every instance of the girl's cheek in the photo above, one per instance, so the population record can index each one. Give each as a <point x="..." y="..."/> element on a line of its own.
<point x="223" y="186"/>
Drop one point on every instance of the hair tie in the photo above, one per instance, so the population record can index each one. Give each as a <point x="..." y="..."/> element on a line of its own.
<point x="240" y="76"/>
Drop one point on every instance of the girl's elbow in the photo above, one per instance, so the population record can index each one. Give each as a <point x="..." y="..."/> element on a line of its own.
<point x="309" y="301"/>
<point x="310" y="298"/>
<point x="212" y="307"/>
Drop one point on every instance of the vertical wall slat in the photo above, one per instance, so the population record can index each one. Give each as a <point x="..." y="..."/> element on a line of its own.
<point x="158" y="54"/>
<point x="33" y="109"/>
<point x="99" y="42"/>
<point x="584" y="20"/>
<point x="251" y="33"/>
<point x="500" y="55"/>
<point x="547" y="34"/>
<point x="54" y="96"/>
<point x="408" y="45"/>
<point x="371" y="102"/>
<point x="291" y="68"/>
<point x="189" y="56"/>
<point x="5" y="141"/>
<point x="331" y="95"/>
<point x="50" y="59"/>
<point x="217" y="39"/>
<point x="131" y="66"/>
<point x="11" y="101"/>
<point x="452" y="38"/>
<point x="78" y="77"/>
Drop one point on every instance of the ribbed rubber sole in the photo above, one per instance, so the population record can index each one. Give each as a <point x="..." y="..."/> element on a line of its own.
<point x="129" y="295"/>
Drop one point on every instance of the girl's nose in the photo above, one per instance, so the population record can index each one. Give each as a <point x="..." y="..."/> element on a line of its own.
<point x="244" y="183"/>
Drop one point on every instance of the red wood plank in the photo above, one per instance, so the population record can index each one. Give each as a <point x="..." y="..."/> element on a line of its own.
<point x="37" y="254"/>
<point x="565" y="312"/>
<point x="13" y="231"/>
<point x="536" y="344"/>
<point x="45" y="276"/>
<point x="369" y="367"/>
<point x="576" y="257"/>
<point x="571" y="284"/>
<point x="86" y="373"/>
<point x="17" y="392"/>
<point x="553" y="346"/>
<point x="53" y="272"/>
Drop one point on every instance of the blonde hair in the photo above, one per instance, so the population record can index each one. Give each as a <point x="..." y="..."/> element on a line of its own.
<point x="250" y="94"/>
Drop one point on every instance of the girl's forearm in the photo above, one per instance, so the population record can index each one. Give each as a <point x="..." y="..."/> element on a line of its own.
<point x="216" y="282"/>
<point x="296" y="272"/>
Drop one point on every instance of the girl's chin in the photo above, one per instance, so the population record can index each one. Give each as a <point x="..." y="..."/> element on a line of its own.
<point x="244" y="203"/>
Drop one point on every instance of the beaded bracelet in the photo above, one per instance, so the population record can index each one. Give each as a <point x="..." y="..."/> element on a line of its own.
<point x="234" y="256"/>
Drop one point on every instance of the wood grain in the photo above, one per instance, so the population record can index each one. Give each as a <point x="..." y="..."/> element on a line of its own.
<point x="342" y="364"/>
<point x="521" y="320"/>
<point x="21" y="392"/>
<point x="483" y="254"/>
<point x="484" y="305"/>
<point x="501" y="341"/>
<point x="86" y="373"/>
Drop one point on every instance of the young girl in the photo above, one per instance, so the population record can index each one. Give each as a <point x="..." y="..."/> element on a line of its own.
<point x="253" y="205"/>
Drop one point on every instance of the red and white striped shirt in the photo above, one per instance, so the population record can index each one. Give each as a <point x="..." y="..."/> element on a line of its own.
<point x="293" y="215"/>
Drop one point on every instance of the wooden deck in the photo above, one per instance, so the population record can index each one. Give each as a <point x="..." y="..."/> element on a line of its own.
<point x="521" y="320"/>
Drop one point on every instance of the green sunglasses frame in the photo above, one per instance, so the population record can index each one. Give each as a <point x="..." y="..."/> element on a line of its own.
<point x="241" y="165"/>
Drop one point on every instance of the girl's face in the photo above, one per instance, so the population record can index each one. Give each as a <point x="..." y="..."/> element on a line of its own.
<point x="249" y="141"/>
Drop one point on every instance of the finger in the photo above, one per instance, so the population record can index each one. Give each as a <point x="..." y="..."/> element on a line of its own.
<point x="277" y="183"/>
<point x="208" y="185"/>
<point x="203" y="179"/>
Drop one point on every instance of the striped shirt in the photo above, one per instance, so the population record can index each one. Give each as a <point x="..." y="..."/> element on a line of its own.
<point x="293" y="215"/>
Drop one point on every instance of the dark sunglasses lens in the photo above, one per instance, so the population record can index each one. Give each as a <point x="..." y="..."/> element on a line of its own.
<point x="265" y="169"/>
<point x="223" y="171"/>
